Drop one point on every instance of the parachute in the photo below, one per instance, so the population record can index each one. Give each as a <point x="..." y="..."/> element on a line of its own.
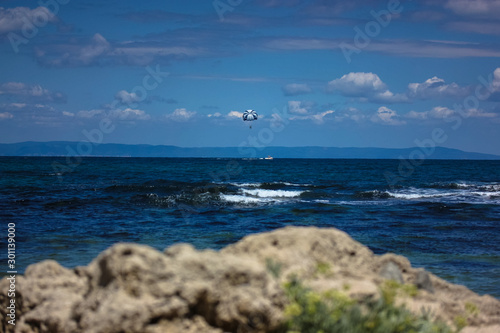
<point x="250" y="115"/>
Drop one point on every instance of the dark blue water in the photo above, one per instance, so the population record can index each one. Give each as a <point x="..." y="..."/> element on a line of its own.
<point x="444" y="215"/>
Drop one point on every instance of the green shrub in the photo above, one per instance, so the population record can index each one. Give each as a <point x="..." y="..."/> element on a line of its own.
<point x="471" y="308"/>
<point x="460" y="322"/>
<point x="391" y="288"/>
<point x="323" y="268"/>
<point x="333" y="311"/>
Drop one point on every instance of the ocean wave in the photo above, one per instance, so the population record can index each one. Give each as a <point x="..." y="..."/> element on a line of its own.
<point x="375" y="194"/>
<point x="470" y="194"/>
<point x="263" y="193"/>
<point x="243" y="196"/>
<point x="491" y="195"/>
<point x="260" y="196"/>
<point x="418" y="195"/>
<point x="168" y="187"/>
<point x="451" y="186"/>
<point x="270" y="185"/>
<point x="173" y="200"/>
<point x="243" y="199"/>
<point x="488" y="187"/>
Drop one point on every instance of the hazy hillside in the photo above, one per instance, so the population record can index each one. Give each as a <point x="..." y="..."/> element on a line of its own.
<point x="61" y="148"/>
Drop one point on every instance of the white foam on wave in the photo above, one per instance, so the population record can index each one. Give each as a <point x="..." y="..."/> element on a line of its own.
<point x="273" y="183"/>
<point x="417" y="195"/>
<point x="260" y="196"/>
<point x="465" y="185"/>
<point x="487" y="194"/>
<point x="322" y="201"/>
<point x="490" y="187"/>
<point x="262" y="193"/>
<point x="468" y="193"/>
<point x="246" y="184"/>
<point x="234" y="198"/>
<point x="293" y="184"/>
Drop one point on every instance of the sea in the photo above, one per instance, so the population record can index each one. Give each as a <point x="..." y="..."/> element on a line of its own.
<point x="442" y="215"/>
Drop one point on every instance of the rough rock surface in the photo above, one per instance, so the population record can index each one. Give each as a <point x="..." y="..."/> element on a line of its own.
<point x="135" y="288"/>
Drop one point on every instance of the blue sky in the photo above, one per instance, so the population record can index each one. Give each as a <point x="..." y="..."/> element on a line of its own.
<point x="326" y="73"/>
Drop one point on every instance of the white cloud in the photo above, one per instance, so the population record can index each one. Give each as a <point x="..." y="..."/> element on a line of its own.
<point x="90" y="113"/>
<point x="38" y="114"/>
<point x="317" y="118"/>
<point x="84" y="53"/>
<point x="30" y="92"/>
<point x="397" y="47"/>
<point x="235" y="114"/>
<point x="68" y="114"/>
<point x="441" y="112"/>
<point x="25" y="108"/>
<point x="129" y="114"/>
<point x="350" y="113"/>
<point x="388" y="97"/>
<point x="432" y="49"/>
<point x="14" y="19"/>
<point x="495" y="85"/>
<point x="357" y="84"/>
<point x="437" y="112"/>
<point x="356" y="117"/>
<point x="214" y="115"/>
<point x="484" y="8"/>
<point x="295" y="108"/>
<point x="477" y="113"/>
<point x="435" y="88"/>
<point x="366" y="86"/>
<point x="490" y="86"/>
<point x="120" y="114"/>
<point x="97" y="47"/>
<point x="300" y="107"/>
<point x="417" y="115"/>
<point x="6" y="115"/>
<point x="294" y="89"/>
<point x="127" y="98"/>
<point x="387" y="116"/>
<point x="99" y="51"/>
<point x="181" y="115"/>
<point x="18" y="105"/>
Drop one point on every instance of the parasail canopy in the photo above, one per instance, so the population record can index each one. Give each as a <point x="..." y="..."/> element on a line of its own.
<point x="250" y="115"/>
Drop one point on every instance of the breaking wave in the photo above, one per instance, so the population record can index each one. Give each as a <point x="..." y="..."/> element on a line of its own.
<point x="450" y="192"/>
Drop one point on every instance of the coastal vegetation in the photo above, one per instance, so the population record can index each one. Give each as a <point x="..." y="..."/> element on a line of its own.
<point x="332" y="311"/>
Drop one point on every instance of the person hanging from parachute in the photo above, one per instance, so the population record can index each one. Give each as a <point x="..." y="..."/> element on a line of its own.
<point x="250" y="115"/>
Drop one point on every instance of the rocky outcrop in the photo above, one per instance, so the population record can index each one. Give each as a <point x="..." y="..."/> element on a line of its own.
<point x="135" y="288"/>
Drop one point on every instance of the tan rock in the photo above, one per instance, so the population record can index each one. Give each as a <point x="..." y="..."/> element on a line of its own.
<point x="135" y="288"/>
<point x="300" y="250"/>
<point x="484" y="329"/>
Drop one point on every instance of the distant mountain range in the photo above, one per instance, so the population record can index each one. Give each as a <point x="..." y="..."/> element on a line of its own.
<point x="62" y="148"/>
